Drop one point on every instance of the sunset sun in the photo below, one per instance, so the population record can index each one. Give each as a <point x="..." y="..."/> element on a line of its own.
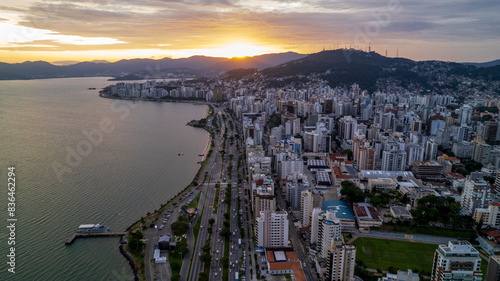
<point x="241" y="50"/>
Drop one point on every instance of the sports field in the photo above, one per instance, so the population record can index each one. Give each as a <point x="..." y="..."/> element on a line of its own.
<point x="382" y="253"/>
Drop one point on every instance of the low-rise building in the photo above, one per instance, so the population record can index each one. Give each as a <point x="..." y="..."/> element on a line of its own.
<point x="382" y="183"/>
<point x="344" y="212"/>
<point x="488" y="216"/>
<point x="400" y="212"/>
<point x="427" y="170"/>
<point x="366" y="216"/>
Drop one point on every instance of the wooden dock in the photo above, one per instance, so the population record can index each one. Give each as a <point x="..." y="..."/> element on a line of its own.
<point x="92" y="234"/>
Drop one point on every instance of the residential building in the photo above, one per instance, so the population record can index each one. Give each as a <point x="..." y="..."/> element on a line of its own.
<point x="341" y="261"/>
<point x="431" y="148"/>
<point x="329" y="227"/>
<point x="481" y="151"/>
<point x="306" y="206"/>
<point x="488" y="216"/>
<point x="272" y="229"/>
<point x="476" y="194"/>
<point x="493" y="272"/>
<point x="393" y="160"/>
<point x="463" y="149"/>
<point x="457" y="261"/>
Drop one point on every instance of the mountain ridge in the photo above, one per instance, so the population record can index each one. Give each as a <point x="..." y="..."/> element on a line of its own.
<point x="202" y="65"/>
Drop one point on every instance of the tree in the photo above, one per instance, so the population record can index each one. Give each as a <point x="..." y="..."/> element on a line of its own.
<point x="352" y="192"/>
<point x="486" y="118"/>
<point x="203" y="276"/>
<point x="225" y="261"/>
<point x="206" y="248"/>
<point x="211" y="221"/>
<point x="179" y="228"/>
<point x="206" y="258"/>
<point x="491" y="180"/>
<point x="463" y="171"/>
<point x="176" y="277"/>
<point x="349" y="153"/>
<point x="181" y="248"/>
<point x="225" y="232"/>
<point x="184" y="208"/>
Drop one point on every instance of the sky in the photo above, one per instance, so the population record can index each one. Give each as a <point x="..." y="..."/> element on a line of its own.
<point x="68" y="31"/>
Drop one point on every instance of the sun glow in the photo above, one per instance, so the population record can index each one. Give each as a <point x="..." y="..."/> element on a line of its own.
<point x="240" y="50"/>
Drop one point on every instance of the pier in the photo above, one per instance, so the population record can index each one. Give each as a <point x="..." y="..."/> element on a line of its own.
<point x="92" y="234"/>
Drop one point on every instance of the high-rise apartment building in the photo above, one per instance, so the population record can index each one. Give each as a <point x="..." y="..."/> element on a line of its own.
<point x="457" y="261"/>
<point x="326" y="226"/>
<point x="341" y="261"/>
<point x="476" y="194"/>
<point x="272" y="229"/>
<point x="306" y="205"/>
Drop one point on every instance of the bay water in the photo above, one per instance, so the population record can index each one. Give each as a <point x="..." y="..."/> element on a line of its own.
<point x="82" y="159"/>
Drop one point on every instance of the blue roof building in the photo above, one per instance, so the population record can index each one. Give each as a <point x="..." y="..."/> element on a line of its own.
<point x="343" y="211"/>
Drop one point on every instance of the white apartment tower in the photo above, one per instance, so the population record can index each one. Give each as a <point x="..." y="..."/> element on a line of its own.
<point x="457" y="261"/>
<point x="306" y="205"/>
<point x="329" y="228"/>
<point x="272" y="229"/>
<point x="314" y="224"/>
<point x="465" y="114"/>
<point x="476" y="194"/>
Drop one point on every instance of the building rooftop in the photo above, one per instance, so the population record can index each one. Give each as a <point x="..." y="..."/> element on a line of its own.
<point x="299" y="275"/>
<point x="371" y="174"/>
<point x="287" y="265"/>
<point x="400" y="211"/>
<point x="279" y="256"/>
<point x="340" y="208"/>
<point x="366" y="211"/>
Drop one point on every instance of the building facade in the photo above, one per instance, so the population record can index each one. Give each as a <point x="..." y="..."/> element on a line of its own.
<point x="272" y="229"/>
<point x="457" y="261"/>
<point x="341" y="261"/>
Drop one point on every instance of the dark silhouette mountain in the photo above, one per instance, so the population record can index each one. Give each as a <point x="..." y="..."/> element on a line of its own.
<point x="148" y="67"/>
<point x="259" y="62"/>
<point x="484" y="64"/>
<point x="491" y="73"/>
<point x="340" y="67"/>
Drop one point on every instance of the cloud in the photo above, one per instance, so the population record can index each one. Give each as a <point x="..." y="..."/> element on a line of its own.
<point x="293" y="25"/>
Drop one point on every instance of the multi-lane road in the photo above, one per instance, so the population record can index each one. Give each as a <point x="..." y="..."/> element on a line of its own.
<point x="241" y="258"/>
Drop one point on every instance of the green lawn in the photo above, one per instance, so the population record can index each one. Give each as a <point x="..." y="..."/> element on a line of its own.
<point x="194" y="203"/>
<point x="381" y="254"/>
<point x="484" y="266"/>
<point x="175" y="263"/>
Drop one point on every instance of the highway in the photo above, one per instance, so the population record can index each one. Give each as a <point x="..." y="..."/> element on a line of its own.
<point x="217" y="174"/>
<point x="214" y="167"/>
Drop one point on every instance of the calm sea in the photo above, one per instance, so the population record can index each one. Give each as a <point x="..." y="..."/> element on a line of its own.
<point x="80" y="158"/>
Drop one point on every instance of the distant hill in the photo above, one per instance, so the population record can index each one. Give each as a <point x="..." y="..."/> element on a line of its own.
<point x="348" y="66"/>
<point x="200" y="65"/>
<point x="484" y="64"/>
<point x="491" y="73"/>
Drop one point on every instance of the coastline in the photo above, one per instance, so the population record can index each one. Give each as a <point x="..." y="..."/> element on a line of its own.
<point x="123" y="249"/>
<point x="197" y="101"/>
